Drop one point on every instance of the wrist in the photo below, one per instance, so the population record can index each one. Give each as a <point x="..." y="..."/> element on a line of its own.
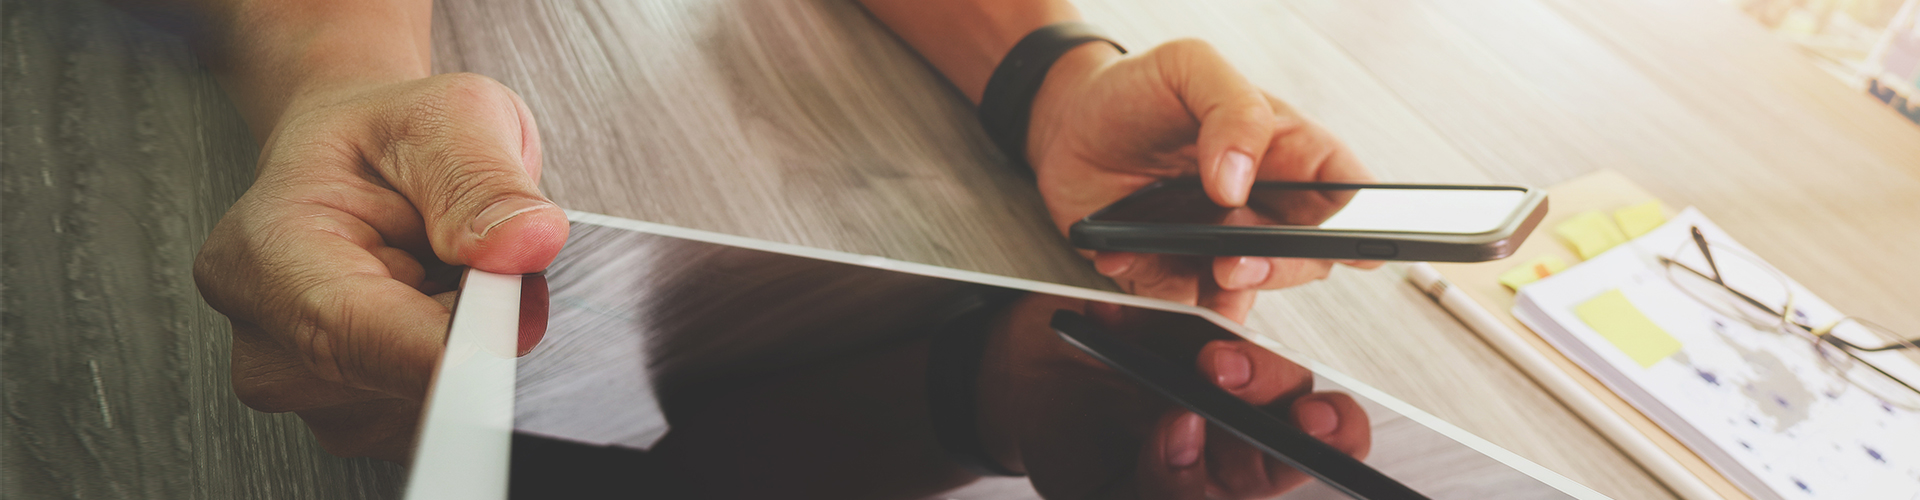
<point x="1065" y="82"/>
<point x="271" y="56"/>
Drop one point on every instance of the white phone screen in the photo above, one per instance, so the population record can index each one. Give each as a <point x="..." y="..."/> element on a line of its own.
<point x="1412" y="210"/>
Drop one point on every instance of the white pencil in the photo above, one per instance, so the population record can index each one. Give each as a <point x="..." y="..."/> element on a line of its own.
<point x="1561" y="385"/>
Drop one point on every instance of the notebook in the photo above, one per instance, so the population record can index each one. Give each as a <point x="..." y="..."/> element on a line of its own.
<point x="1761" y="407"/>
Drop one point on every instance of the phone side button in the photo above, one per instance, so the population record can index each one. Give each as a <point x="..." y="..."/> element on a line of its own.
<point x="1376" y="249"/>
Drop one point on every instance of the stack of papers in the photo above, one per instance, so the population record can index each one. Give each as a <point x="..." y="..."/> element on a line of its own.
<point x="1761" y="406"/>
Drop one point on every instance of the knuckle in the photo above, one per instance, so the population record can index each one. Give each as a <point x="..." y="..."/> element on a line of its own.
<point x="291" y="306"/>
<point x="1191" y="56"/>
<point x="1250" y="113"/>
<point x="231" y="267"/>
<point x="445" y="141"/>
<point x="212" y="275"/>
<point x="315" y="345"/>
<point x="468" y="86"/>
<point x="1187" y="47"/>
<point x="477" y="181"/>
<point x="444" y="99"/>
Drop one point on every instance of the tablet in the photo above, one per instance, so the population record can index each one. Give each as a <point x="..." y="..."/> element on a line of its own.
<point x="680" y="363"/>
<point x="463" y="446"/>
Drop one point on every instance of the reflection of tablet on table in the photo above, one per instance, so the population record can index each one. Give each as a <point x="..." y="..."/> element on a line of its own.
<point x="648" y="323"/>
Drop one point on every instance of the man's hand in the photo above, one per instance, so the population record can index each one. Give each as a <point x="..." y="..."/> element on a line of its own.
<point x="1105" y="126"/>
<point x="374" y="182"/>
<point x="1082" y="430"/>
<point x="326" y="265"/>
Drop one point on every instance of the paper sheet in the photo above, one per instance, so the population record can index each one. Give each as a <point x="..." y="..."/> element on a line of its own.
<point x="1760" y="400"/>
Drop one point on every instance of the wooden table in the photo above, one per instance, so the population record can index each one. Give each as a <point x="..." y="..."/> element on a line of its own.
<point x="806" y="122"/>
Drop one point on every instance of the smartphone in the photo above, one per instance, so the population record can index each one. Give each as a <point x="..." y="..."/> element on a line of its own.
<point x="1265" y="431"/>
<point x="1416" y="222"/>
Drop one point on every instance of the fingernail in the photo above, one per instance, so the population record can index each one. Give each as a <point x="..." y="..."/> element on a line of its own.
<point x="1114" y="267"/>
<point x="1232" y="368"/>
<point x="1236" y="176"/>
<point x="502" y="211"/>
<point x="1317" y="418"/>
<point x="1183" y="447"/>
<point x="1249" y="273"/>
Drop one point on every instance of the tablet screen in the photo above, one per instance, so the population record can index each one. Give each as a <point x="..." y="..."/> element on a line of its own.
<point x="682" y="364"/>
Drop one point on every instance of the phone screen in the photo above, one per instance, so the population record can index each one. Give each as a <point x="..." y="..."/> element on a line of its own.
<point x="1385" y="209"/>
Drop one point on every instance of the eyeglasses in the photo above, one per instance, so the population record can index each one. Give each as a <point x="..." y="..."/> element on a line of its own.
<point x="1740" y="286"/>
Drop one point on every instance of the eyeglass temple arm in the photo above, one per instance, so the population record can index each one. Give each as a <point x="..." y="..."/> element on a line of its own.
<point x="1876" y="368"/>
<point x="1825" y="334"/>
<point x="1701" y="240"/>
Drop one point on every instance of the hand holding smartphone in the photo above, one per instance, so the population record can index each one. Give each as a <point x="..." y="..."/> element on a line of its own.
<point x="1413" y="222"/>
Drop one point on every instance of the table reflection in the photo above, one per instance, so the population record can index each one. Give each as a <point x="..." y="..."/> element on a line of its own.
<point x="676" y="368"/>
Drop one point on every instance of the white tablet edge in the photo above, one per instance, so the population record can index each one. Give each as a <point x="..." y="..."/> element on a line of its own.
<point x="466" y="426"/>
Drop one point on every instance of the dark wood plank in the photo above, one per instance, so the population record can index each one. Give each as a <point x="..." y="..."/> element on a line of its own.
<point x="799" y="122"/>
<point x="120" y="153"/>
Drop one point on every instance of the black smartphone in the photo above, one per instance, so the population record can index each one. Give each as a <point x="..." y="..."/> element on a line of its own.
<point x="1265" y="431"/>
<point x="1416" y="222"/>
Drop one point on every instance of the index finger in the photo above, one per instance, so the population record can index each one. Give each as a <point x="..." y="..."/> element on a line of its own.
<point x="369" y="331"/>
<point x="1234" y="124"/>
<point x="321" y="292"/>
<point x="1302" y="151"/>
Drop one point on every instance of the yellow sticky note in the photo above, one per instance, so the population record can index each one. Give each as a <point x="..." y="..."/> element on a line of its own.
<point x="1589" y="234"/>
<point x="1532" y="271"/>
<point x="1620" y="323"/>
<point x="1638" y="219"/>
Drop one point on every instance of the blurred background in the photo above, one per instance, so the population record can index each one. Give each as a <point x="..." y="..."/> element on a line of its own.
<point x="1870" y="44"/>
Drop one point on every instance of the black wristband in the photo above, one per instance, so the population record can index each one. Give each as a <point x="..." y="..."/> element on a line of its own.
<point x="1007" y="104"/>
<point x="953" y="375"/>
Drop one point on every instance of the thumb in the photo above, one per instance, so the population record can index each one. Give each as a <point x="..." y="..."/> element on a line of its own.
<point x="1236" y="123"/>
<point x="464" y="150"/>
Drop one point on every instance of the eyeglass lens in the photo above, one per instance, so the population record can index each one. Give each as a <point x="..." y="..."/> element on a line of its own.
<point x="1748" y="290"/>
<point x="1891" y="373"/>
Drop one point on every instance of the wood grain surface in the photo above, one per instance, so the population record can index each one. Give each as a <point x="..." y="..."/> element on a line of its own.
<point x="120" y="154"/>
<point x="805" y="122"/>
